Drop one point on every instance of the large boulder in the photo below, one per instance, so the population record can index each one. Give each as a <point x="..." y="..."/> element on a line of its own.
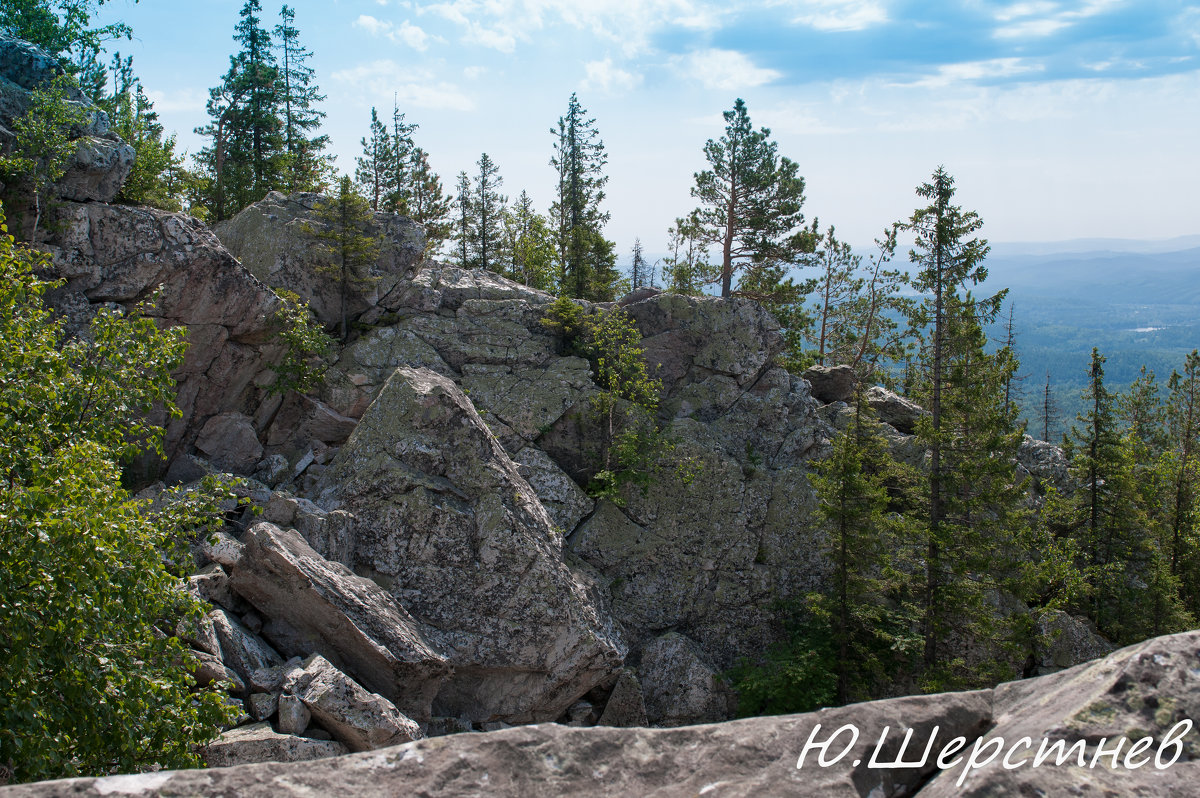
<point x="900" y="413"/>
<point x="1143" y="697"/>
<point x="831" y="383"/>
<point x="444" y="520"/>
<point x="272" y="239"/>
<point x="101" y="161"/>
<point x="679" y="688"/>
<point x="260" y="743"/>
<point x="119" y="254"/>
<point x="361" y="720"/>
<point x="313" y="605"/>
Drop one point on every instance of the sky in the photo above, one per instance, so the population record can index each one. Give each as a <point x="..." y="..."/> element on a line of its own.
<point x="1058" y="120"/>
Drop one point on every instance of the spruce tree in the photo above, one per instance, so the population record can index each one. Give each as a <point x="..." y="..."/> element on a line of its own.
<point x="307" y="169"/>
<point x="400" y="162"/>
<point x="464" y="222"/>
<point x="373" y="171"/>
<point x="586" y="258"/>
<point x="839" y="290"/>
<point x="258" y="120"/>
<point x="1183" y="423"/>
<point x="342" y="228"/>
<point x="488" y="205"/>
<point x="751" y="200"/>
<point x="970" y="431"/>
<point x="428" y="206"/>
<point x="641" y="273"/>
<point x="530" y="245"/>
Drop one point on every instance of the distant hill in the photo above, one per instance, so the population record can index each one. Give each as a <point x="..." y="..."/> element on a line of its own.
<point x="1138" y="302"/>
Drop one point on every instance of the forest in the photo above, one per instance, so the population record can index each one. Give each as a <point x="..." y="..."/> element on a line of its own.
<point x="928" y="563"/>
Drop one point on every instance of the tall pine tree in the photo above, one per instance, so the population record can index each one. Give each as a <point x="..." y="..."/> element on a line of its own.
<point x="373" y="172"/>
<point x="306" y="169"/>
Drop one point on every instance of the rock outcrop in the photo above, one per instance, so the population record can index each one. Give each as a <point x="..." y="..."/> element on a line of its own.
<point x="443" y="518"/>
<point x="273" y="238"/>
<point x="1143" y="692"/>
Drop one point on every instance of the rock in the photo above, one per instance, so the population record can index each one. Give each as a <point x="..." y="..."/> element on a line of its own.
<point x="222" y="548"/>
<point x="1046" y="464"/>
<point x="211" y="669"/>
<point x="895" y="410"/>
<point x="361" y="720"/>
<point x="242" y="650"/>
<point x="230" y="443"/>
<point x="625" y="706"/>
<point x="752" y="757"/>
<point x="443" y="517"/>
<point x="211" y="583"/>
<point x="1140" y="691"/>
<point x="831" y="383"/>
<point x="269" y="237"/>
<point x="262" y="706"/>
<point x="1145" y="690"/>
<point x="1066" y="641"/>
<point x="442" y="287"/>
<point x="582" y="713"/>
<point x="200" y="634"/>
<point x="272" y="470"/>
<point x="314" y="605"/>
<point x="304" y="423"/>
<point x="97" y="170"/>
<point x="258" y="743"/>
<point x="293" y="715"/>
<point x="562" y="497"/>
<point x="111" y="253"/>
<point x="679" y="687"/>
<point x="638" y="295"/>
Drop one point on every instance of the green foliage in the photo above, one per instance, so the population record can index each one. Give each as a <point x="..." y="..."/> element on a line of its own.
<point x="529" y="245"/>
<point x="427" y="204"/>
<point x="43" y="146"/>
<point x="307" y="346"/>
<point x="306" y="167"/>
<point x="488" y="206"/>
<point x="751" y="200"/>
<point x="342" y="228"/>
<point x="587" y="261"/>
<point x="632" y="446"/>
<point x="686" y="269"/>
<point x="795" y="675"/>
<point x="88" y="683"/>
<point x="158" y="178"/>
<point x="63" y="29"/>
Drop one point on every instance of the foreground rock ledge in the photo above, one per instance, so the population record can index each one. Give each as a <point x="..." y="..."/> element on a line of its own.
<point x="1142" y="690"/>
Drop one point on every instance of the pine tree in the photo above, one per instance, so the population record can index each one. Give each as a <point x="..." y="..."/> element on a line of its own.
<point x="156" y="178"/>
<point x="752" y="200"/>
<point x="342" y="227"/>
<point x="838" y="290"/>
<point x="883" y="307"/>
<point x="686" y="270"/>
<point x="373" y="173"/>
<point x="306" y="169"/>
<point x="247" y="157"/>
<point x="1049" y="409"/>
<point x="586" y="258"/>
<point x="428" y="206"/>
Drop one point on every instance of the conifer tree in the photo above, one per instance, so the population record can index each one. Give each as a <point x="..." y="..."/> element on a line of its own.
<point x="373" y="173"/>
<point x="1049" y="409"/>
<point x="861" y="491"/>
<point x="530" y="246"/>
<point x="488" y="205"/>
<point x="464" y="221"/>
<point x="969" y="432"/>
<point x="751" y="200"/>
<point x="307" y="169"/>
<point x="342" y="227"/>
<point x="641" y="273"/>
<point x="686" y="269"/>
<point x="587" y="261"/>
<point x="400" y="162"/>
<point x="1183" y="421"/>
<point x="428" y="206"/>
<point x="839" y="291"/>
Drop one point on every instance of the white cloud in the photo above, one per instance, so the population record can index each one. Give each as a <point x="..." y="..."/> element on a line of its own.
<point x="1040" y="19"/>
<point x="415" y="87"/>
<point x="610" y="79"/>
<point x="193" y="100"/>
<point x="727" y="70"/>
<point x="628" y="24"/>
<point x="972" y="71"/>
<point x="406" y="33"/>
<point x="839" y="15"/>
<point x="474" y="72"/>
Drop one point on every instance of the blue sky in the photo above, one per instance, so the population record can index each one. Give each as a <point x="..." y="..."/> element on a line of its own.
<point x="1059" y="120"/>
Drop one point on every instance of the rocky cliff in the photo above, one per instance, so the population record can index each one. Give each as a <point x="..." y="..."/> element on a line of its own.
<point x="426" y="560"/>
